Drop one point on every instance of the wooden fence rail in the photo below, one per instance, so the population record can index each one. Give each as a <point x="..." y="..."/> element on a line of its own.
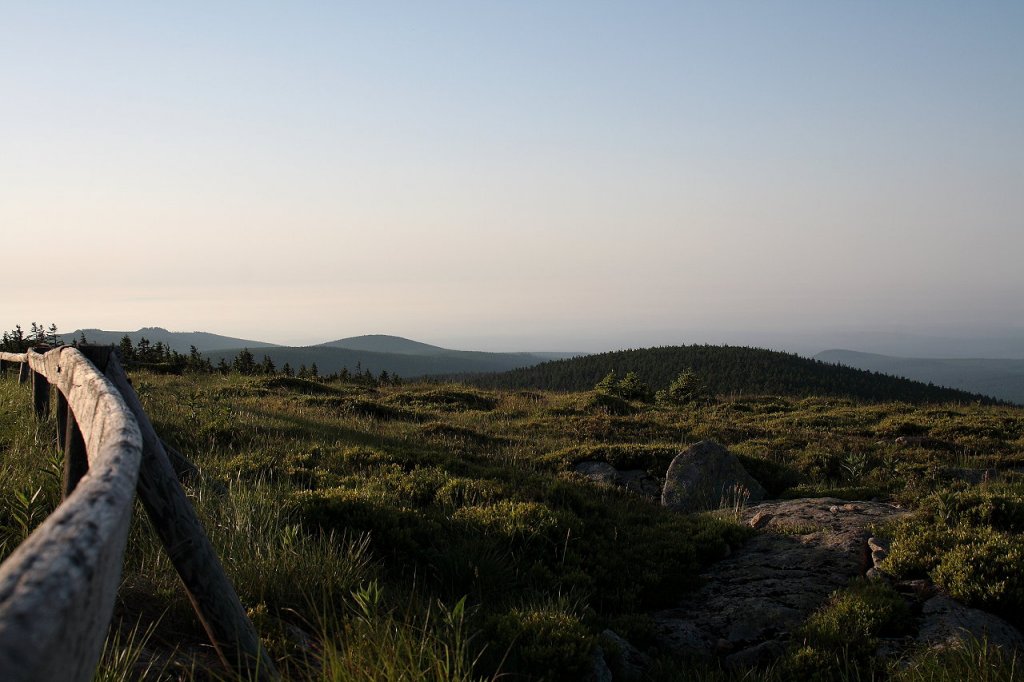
<point x="57" y="589"/>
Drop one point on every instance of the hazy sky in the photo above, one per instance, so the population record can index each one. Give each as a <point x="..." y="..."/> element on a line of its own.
<point x="513" y="175"/>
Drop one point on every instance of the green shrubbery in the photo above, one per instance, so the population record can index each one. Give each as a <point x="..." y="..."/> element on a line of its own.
<point x="839" y="640"/>
<point x="316" y="492"/>
<point x="969" y="542"/>
<point x="548" y="641"/>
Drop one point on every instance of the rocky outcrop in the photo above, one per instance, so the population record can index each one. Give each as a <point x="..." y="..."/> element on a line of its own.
<point x="752" y="600"/>
<point x="598" y="472"/>
<point x="947" y="622"/>
<point x="634" y="480"/>
<point x="707" y="476"/>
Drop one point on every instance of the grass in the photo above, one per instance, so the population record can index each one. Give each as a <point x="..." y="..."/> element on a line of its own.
<point x="439" y="532"/>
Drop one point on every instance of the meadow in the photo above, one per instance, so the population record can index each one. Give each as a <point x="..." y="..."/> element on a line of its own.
<point x="439" y="531"/>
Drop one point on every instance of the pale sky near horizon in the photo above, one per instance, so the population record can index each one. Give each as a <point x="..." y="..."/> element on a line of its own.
<point x="512" y="176"/>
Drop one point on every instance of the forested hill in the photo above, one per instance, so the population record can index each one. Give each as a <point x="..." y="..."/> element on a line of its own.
<point x="725" y="370"/>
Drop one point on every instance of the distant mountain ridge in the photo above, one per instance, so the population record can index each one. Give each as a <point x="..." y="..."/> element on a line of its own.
<point x="726" y="370"/>
<point x="178" y="341"/>
<point x="331" y="359"/>
<point x="373" y="352"/>
<point x="1001" y="378"/>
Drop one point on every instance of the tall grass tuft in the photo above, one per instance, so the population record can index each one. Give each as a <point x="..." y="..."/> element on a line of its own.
<point x="372" y="641"/>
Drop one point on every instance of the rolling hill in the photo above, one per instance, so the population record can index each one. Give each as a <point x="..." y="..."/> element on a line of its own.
<point x="178" y="341"/>
<point x="383" y="343"/>
<point x="373" y="352"/>
<point x="1003" y="379"/>
<point x="395" y="354"/>
<point x="727" y="370"/>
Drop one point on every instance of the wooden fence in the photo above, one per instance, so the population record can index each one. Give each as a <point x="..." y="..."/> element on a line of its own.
<point x="57" y="589"/>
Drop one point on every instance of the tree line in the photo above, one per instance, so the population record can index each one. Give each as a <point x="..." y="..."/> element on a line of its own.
<point x="18" y="340"/>
<point x="724" y="370"/>
<point x="245" y="363"/>
<point x="160" y="357"/>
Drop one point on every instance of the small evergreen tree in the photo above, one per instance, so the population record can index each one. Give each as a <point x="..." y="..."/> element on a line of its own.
<point x="687" y="388"/>
<point x="609" y="384"/>
<point x="631" y="387"/>
<point x="126" y="348"/>
<point x="143" y="350"/>
<point x="267" y="366"/>
<point x="244" y="362"/>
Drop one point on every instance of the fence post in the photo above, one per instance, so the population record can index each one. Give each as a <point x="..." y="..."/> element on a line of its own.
<point x="23" y="372"/>
<point x="212" y="595"/>
<point x="76" y="461"/>
<point x="62" y="420"/>
<point x="40" y="395"/>
<point x="3" y="369"/>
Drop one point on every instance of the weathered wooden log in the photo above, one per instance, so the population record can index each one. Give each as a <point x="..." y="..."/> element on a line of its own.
<point x="57" y="589"/>
<point x="76" y="463"/>
<point x="184" y="469"/>
<point x="175" y="521"/>
<point x="8" y="360"/>
<point x="40" y="396"/>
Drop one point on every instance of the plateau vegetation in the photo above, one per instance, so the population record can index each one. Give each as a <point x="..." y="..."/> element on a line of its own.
<point x="389" y="530"/>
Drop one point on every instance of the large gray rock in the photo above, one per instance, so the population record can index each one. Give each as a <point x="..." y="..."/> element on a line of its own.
<point x="947" y="622"/>
<point x="707" y="476"/>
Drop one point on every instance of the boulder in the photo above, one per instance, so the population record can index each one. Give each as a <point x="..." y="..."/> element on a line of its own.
<point x="625" y="660"/>
<point x="947" y="622"/>
<point x="707" y="476"/>
<point x="599" y="670"/>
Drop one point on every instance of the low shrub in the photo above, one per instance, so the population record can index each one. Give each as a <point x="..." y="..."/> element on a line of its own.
<point x="839" y="639"/>
<point x="968" y="542"/>
<point x="448" y="398"/>
<point x="599" y="401"/>
<point x="547" y="641"/>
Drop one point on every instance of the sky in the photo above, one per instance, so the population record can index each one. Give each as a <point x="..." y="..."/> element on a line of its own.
<point x="515" y="176"/>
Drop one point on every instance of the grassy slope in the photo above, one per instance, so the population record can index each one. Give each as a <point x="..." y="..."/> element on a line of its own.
<point x="363" y="517"/>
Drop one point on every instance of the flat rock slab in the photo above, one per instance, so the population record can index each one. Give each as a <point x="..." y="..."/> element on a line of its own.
<point x="751" y="601"/>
